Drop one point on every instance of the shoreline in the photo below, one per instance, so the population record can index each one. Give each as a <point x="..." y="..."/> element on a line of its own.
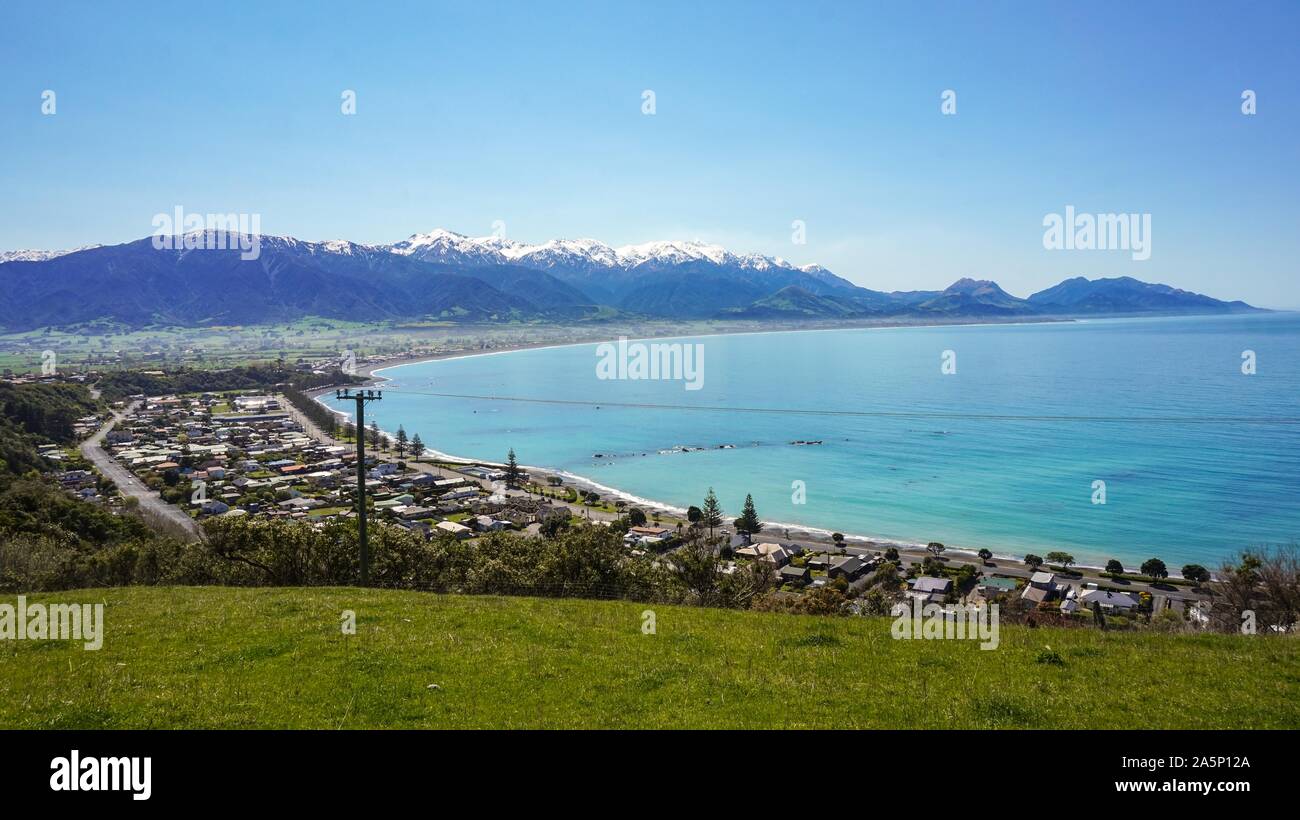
<point x="371" y="372"/>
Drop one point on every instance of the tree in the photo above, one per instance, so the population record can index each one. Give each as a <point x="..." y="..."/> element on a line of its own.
<point x="986" y="554"/>
<point x="636" y="517"/>
<point x="748" y="521"/>
<point x="711" y="513"/>
<point x="1196" y="572"/>
<point x="401" y="441"/>
<point x="838" y="538"/>
<point x="1114" y="567"/>
<point x="935" y="548"/>
<point x="891" y="555"/>
<point x="417" y="447"/>
<point x="375" y="437"/>
<point x="1154" y="569"/>
<point x="886" y="576"/>
<point x="1033" y="561"/>
<point x="512" y="470"/>
<point x="1062" y="559"/>
<point x="694" y="514"/>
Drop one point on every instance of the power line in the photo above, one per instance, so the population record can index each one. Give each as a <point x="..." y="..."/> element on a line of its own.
<point x="898" y="414"/>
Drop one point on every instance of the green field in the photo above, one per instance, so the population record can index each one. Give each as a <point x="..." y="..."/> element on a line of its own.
<point x="242" y="658"/>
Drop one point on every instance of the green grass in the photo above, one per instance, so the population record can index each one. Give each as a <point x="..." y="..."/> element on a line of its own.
<point x="241" y="658"/>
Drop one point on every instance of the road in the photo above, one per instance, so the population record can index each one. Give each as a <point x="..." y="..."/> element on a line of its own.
<point x="128" y="485"/>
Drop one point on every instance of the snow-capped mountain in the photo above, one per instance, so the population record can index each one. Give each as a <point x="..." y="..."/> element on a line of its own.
<point x="451" y="277"/>
<point x="38" y="256"/>
<point x="679" y="277"/>
<point x="441" y="245"/>
<point x="451" y="248"/>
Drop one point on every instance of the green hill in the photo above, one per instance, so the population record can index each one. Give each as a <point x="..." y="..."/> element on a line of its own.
<point x="242" y="658"/>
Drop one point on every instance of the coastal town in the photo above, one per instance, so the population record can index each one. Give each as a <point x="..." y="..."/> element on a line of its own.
<point x="192" y="457"/>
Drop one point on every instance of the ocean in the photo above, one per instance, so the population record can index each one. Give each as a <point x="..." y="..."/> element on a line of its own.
<point x="1112" y="438"/>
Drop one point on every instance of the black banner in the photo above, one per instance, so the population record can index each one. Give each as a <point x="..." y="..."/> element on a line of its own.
<point x="143" y="770"/>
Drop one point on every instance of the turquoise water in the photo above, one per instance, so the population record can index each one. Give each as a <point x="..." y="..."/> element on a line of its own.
<point x="1184" y="492"/>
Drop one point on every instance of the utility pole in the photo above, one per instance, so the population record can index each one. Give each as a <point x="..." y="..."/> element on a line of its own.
<point x="361" y="397"/>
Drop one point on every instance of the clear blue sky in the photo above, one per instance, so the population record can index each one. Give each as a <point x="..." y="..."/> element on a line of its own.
<point x="530" y="113"/>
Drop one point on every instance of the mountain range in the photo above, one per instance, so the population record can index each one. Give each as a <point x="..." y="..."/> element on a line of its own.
<point x="446" y="276"/>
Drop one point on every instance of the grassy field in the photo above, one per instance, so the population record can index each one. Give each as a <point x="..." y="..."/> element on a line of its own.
<point x="237" y="658"/>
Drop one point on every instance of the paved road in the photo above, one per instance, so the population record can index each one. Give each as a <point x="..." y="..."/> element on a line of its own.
<point x="127" y="484"/>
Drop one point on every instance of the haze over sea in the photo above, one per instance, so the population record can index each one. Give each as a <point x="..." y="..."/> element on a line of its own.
<point x="1182" y="491"/>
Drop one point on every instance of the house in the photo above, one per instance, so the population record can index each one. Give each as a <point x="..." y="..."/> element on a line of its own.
<point x="214" y="508"/>
<point x="1109" y="601"/>
<point x="486" y="523"/>
<point x="795" y="575"/>
<point x="458" y="530"/>
<point x="646" y="535"/>
<point x="650" y="532"/>
<point x="849" y="567"/>
<point x="930" y="590"/>
<point x="990" y="588"/>
<point x="768" y="553"/>
<point x="301" y="503"/>
<point x="1041" y="587"/>
<point x="820" y="562"/>
<point x="415" y="513"/>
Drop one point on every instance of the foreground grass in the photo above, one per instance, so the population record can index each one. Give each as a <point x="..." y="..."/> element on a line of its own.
<point x="243" y="658"/>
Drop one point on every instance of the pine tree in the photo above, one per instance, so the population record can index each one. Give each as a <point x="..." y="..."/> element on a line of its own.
<point x="711" y="513"/>
<point x="512" y="470"/>
<point x="401" y="441"/>
<point x="375" y="438"/>
<point x="748" y="521"/>
<point x="417" y="447"/>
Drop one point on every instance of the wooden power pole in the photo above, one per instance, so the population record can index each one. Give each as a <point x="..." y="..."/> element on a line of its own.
<point x="361" y="397"/>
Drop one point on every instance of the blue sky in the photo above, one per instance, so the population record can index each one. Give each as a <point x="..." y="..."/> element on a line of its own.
<point x="530" y="113"/>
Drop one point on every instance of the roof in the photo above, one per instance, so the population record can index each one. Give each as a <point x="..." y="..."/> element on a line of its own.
<point x="851" y="563"/>
<point x="1042" y="578"/>
<point x="1107" y="598"/>
<point x="1000" y="583"/>
<point x="928" y="584"/>
<point x="1036" y="594"/>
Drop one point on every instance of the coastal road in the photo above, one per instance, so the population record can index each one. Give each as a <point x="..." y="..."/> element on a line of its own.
<point x="128" y="485"/>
